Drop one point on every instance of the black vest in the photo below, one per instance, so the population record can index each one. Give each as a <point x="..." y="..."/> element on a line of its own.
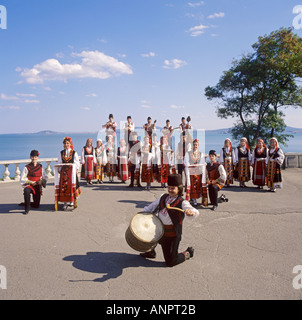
<point x="176" y="216"/>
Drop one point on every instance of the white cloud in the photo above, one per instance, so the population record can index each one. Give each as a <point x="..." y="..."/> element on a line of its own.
<point x="195" y="4"/>
<point x="148" y="55"/>
<point x="174" y="64"/>
<point x="31" y="95"/>
<point x="173" y="106"/>
<point x="10" y="108"/>
<point x="93" y="64"/>
<point x="216" y="15"/>
<point x="145" y="106"/>
<point x="197" y="30"/>
<point x="86" y="108"/>
<point x="91" y="95"/>
<point x="31" y="101"/>
<point x="8" y="98"/>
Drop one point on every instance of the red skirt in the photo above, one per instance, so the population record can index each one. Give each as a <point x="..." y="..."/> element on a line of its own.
<point x="259" y="173"/>
<point x="147" y="173"/>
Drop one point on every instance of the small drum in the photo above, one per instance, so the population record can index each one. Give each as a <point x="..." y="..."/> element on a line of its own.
<point x="144" y="231"/>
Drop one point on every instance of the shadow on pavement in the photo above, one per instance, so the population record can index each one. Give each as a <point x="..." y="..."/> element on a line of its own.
<point x="111" y="264"/>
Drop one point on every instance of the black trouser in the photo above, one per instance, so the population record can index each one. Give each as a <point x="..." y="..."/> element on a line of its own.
<point x="132" y="174"/>
<point x="170" y="250"/>
<point x="213" y="194"/>
<point x="180" y="168"/>
<point x="37" y="197"/>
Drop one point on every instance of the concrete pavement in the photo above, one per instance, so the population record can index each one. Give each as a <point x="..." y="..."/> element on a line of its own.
<point x="247" y="249"/>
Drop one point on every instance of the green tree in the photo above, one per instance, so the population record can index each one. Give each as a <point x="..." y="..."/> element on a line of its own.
<point x="258" y="85"/>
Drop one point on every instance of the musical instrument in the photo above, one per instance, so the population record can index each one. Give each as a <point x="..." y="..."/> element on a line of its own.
<point x="144" y="232"/>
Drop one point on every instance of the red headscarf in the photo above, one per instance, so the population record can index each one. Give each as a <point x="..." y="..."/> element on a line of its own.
<point x="261" y="140"/>
<point x="69" y="139"/>
<point x="246" y="143"/>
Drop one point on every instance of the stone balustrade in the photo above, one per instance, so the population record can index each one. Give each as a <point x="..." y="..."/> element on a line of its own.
<point x="7" y="163"/>
<point x="292" y="160"/>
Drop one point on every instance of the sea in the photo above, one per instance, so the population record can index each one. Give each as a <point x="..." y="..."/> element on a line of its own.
<point x="49" y="144"/>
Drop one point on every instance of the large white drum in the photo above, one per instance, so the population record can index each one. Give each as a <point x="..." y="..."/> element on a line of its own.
<point x="144" y="231"/>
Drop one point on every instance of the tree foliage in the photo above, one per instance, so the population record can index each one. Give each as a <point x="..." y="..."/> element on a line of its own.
<point x="259" y="84"/>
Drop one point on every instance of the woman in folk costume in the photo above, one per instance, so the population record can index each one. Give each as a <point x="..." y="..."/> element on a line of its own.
<point x="275" y="160"/>
<point x="259" y="159"/>
<point x="101" y="160"/>
<point x="67" y="188"/>
<point x="134" y="162"/>
<point x="227" y="159"/>
<point x="149" y="128"/>
<point x="195" y="169"/>
<point x="147" y="155"/>
<point x="33" y="177"/>
<point x="88" y="161"/>
<point x="122" y="160"/>
<point x="111" y="166"/>
<point x="165" y="158"/>
<point x="215" y="178"/>
<point x="243" y="161"/>
<point x="172" y="220"/>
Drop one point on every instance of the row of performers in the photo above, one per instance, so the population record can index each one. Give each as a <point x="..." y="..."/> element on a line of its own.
<point x="158" y="159"/>
<point x="200" y="176"/>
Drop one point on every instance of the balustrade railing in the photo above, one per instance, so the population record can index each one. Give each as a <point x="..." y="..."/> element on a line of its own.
<point x="17" y="172"/>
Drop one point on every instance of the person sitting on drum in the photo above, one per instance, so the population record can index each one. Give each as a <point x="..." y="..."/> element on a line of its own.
<point x="172" y="209"/>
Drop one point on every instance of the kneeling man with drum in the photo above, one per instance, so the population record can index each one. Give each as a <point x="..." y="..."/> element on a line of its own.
<point x="172" y="209"/>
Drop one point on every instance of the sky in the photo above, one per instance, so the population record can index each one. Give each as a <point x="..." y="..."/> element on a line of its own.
<point x="67" y="64"/>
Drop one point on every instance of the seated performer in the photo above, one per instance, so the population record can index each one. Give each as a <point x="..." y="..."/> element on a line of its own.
<point x="110" y="127"/>
<point x="227" y="159"/>
<point x="88" y="161"/>
<point x="259" y="159"/>
<point x="32" y="179"/>
<point x="215" y="178"/>
<point x="275" y="160"/>
<point x="101" y="160"/>
<point x="173" y="221"/>
<point x="195" y="170"/>
<point x="128" y="129"/>
<point x="243" y="161"/>
<point x="67" y="188"/>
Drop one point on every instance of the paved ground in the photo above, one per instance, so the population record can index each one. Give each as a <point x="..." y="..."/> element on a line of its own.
<point x="247" y="249"/>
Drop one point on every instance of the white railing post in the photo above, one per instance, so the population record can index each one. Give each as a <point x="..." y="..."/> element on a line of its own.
<point x="17" y="172"/>
<point x="6" y="173"/>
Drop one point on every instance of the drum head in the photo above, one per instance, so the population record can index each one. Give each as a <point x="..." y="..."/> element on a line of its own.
<point x="147" y="227"/>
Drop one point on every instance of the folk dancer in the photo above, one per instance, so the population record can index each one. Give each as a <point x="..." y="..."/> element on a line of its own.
<point x="129" y="127"/>
<point x="67" y="187"/>
<point x="275" y="160"/>
<point x="243" y="161"/>
<point x="147" y="155"/>
<point x="156" y="158"/>
<point x="195" y="170"/>
<point x="166" y="155"/>
<point x="88" y="161"/>
<point x="172" y="219"/>
<point x="111" y="166"/>
<point x="259" y="159"/>
<point x="149" y="128"/>
<point x="227" y="159"/>
<point x="110" y="127"/>
<point x="32" y="178"/>
<point x="101" y="160"/>
<point x="168" y="131"/>
<point x="122" y="160"/>
<point x="182" y="148"/>
<point x="215" y="178"/>
<point x="134" y="160"/>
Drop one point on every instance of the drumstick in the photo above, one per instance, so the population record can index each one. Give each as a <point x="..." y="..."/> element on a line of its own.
<point x="169" y="207"/>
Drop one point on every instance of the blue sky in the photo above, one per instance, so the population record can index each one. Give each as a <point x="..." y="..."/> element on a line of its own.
<point x="67" y="64"/>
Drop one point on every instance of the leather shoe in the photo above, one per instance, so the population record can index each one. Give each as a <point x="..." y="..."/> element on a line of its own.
<point x="191" y="251"/>
<point x="150" y="254"/>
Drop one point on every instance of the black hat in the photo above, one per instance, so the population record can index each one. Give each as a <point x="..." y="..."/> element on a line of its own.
<point x="174" y="180"/>
<point x="213" y="152"/>
<point x="34" y="153"/>
<point x="110" y="115"/>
